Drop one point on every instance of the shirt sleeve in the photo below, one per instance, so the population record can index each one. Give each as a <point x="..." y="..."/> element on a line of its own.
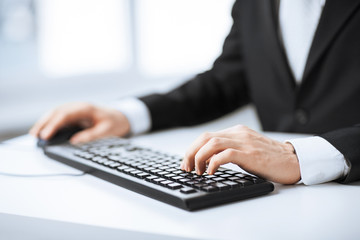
<point x="136" y="112"/>
<point x="319" y="160"/>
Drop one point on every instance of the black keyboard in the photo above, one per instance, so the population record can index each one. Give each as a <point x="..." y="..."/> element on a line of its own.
<point x="157" y="175"/>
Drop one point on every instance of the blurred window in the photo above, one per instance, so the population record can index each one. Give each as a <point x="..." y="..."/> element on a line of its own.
<point x="83" y="36"/>
<point x="59" y="38"/>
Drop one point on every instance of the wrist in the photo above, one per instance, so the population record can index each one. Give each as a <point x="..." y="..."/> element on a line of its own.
<point x="293" y="164"/>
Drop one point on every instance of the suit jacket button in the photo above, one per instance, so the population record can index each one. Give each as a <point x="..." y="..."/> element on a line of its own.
<point x="301" y="116"/>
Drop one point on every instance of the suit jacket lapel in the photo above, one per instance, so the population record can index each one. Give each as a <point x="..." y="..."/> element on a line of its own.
<point x="334" y="16"/>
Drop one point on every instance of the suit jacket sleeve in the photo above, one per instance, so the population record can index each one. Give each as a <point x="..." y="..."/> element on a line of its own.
<point x="347" y="141"/>
<point x="208" y="95"/>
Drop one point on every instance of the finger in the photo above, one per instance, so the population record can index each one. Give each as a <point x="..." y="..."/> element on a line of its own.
<point x="54" y="124"/>
<point x="90" y="134"/>
<point x="39" y="125"/>
<point x="227" y="156"/>
<point x="213" y="146"/>
<point x="188" y="161"/>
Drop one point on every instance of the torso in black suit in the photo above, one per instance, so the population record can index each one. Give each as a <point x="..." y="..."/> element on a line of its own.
<point x="253" y="68"/>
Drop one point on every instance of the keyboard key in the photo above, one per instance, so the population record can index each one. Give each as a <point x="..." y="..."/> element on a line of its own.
<point x="166" y="182"/>
<point x="114" y="158"/>
<point x="164" y="167"/>
<point x="177" y="178"/>
<point x="142" y="167"/>
<point x="150" y="178"/>
<point x="155" y="171"/>
<point x="175" y="165"/>
<point x="135" y="164"/>
<point x="135" y="172"/>
<point x="221" y="186"/>
<point x="240" y="175"/>
<point x="232" y="184"/>
<point x="218" y="179"/>
<point x="128" y="170"/>
<point x="115" y="165"/>
<point x="210" y="176"/>
<point x="107" y="163"/>
<point x="163" y="173"/>
<point x="209" y="181"/>
<point x="174" y="186"/>
<point x="122" y="168"/>
<point x="225" y="175"/>
<point x="172" y="170"/>
<point x="199" y="185"/>
<point x="185" y="174"/>
<point x="184" y="180"/>
<point x="149" y="168"/>
<point x="244" y="182"/>
<point x="210" y="188"/>
<point x="170" y="175"/>
<point x="158" y="180"/>
<point x="190" y="183"/>
<point x="142" y="175"/>
<point x="187" y="190"/>
<point x="233" y="178"/>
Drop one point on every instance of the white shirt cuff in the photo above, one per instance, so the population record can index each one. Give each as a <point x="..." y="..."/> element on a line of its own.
<point x="319" y="160"/>
<point x="136" y="112"/>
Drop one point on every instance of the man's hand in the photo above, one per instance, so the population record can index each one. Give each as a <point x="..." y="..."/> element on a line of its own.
<point x="99" y="122"/>
<point x="248" y="149"/>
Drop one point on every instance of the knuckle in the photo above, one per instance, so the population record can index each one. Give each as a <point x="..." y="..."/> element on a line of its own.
<point x="206" y="135"/>
<point x="229" y="153"/>
<point x="246" y="133"/>
<point x="215" y="141"/>
<point x="240" y="127"/>
<point x="86" y="106"/>
<point x="216" y="161"/>
<point x="253" y="152"/>
<point x="188" y="155"/>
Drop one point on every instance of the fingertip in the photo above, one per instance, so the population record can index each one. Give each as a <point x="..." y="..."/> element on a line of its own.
<point x="210" y="170"/>
<point x="45" y="134"/>
<point x="182" y="165"/>
<point x="32" y="132"/>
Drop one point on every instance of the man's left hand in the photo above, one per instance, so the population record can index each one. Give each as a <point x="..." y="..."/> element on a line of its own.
<point x="248" y="149"/>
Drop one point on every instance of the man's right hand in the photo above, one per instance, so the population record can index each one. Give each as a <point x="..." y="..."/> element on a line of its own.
<point x="99" y="122"/>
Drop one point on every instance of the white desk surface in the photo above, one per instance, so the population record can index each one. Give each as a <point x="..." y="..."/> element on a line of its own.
<point x="326" y="211"/>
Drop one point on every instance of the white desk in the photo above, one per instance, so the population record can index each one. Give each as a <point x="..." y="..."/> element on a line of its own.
<point x="69" y="207"/>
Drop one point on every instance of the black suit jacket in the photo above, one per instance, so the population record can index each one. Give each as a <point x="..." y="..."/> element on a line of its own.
<point x="253" y="68"/>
